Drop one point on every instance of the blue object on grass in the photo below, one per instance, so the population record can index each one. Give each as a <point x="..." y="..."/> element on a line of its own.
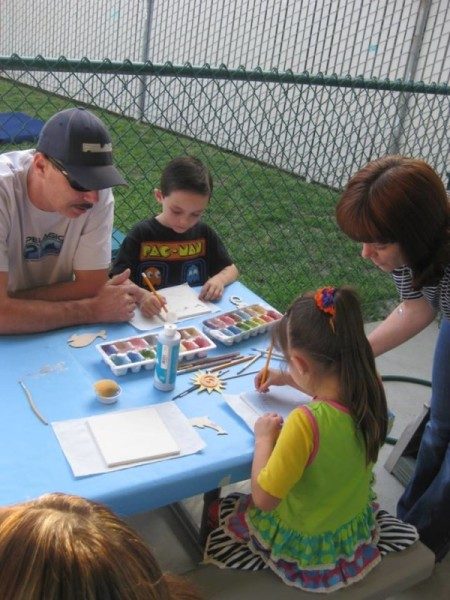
<point x="16" y="127"/>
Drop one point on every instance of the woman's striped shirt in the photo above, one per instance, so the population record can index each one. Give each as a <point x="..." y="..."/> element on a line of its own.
<point x="437" y="295"/>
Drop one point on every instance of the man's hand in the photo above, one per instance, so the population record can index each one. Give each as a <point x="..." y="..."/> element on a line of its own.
<point x="116" y="300"/>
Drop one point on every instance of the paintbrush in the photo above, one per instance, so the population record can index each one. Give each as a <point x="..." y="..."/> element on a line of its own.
<point x="186" y="392"/>
<point x="151" y="287"/>
<point x="254" y="359"/>
<point x="195" y="386"/>
<point x="209" y="366"/>
<point x="237" y="361"/>
<point x="31" y="403"/>
<point x="240" y="375"/>
<point x="274" y="354"/>
<point x="210" y="362"/>
<point x="265" y="372"/>
<point x="205" y="359"/>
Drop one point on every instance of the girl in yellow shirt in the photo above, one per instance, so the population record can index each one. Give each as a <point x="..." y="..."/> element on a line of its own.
<point x="310" y="516"/>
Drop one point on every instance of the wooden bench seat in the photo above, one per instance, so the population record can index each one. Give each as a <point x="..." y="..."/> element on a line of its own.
<point x="398" y="571"/>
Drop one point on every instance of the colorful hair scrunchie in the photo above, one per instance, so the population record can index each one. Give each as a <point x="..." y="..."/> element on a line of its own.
<point x="324" y="298"/>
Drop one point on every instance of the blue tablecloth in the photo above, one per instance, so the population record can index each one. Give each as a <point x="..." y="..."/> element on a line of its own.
<point x="60" y="379"/>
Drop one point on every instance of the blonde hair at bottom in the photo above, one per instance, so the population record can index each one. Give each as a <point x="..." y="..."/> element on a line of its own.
<point x="63" y="547"/>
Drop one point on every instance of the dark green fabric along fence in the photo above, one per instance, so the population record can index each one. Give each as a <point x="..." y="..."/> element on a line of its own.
<point x="280" y="147"/>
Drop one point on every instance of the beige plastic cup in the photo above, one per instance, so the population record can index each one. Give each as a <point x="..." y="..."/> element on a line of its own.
<point x="107" y="391"/>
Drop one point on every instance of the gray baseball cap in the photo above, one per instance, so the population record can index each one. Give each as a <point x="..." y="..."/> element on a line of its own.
<point x="79" y="140"/>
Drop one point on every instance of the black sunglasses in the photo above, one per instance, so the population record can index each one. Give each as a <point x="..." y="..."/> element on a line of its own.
<point x="73" y="184"/>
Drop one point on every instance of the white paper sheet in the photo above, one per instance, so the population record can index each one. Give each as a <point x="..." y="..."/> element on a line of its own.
<point x="182" y="300"/>
<point x="84" y="457"/>
<point x="251" y="405"/>
<point x="132" y="436"/>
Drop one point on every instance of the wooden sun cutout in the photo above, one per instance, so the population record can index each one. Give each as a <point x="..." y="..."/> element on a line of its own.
<point x="208" y="381"/>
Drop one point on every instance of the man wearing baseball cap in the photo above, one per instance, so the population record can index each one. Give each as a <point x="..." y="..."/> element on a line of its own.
<point x="56" y="216"/>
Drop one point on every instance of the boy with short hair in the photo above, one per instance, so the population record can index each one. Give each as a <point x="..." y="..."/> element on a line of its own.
<point x="176" y="247"/>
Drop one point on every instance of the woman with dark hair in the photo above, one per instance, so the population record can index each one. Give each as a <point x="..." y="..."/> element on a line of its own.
<point x="399" y="210"/>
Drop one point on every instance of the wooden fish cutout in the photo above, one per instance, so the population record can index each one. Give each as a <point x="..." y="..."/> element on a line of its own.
<point x="80" y="340"/>
<point x="202" y="422"/>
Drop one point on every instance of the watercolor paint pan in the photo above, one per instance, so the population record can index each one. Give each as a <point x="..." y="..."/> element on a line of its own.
<point x="138" y="352"/>
<point x="240" y="324"/>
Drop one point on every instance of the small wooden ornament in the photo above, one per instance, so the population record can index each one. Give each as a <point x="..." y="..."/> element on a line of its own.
<point x="208" y="381"/>
<point x="204" y="381"/>
<point x="80" y="340"/>
<point x="205" y="421"/>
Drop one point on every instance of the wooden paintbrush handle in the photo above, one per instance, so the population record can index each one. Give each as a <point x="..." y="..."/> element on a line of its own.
<point x="238" y="361"/>
<point x="265" y="373"/>
<point x="151" y="287"/>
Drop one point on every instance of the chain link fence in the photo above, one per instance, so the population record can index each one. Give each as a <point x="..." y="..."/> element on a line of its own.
<point x="280" y="146"/>
<point x="405" y="39"/>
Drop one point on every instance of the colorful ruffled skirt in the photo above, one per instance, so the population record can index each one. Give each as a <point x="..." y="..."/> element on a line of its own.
<point x="251" y="539"/>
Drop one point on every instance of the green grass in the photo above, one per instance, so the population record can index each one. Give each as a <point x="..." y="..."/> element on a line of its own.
<point x="279" y="229"/>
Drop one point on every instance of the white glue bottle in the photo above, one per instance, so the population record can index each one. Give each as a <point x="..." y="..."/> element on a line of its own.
<point x="167" y="350"/>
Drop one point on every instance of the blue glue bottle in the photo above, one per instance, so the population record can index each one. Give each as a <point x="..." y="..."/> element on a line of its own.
<point x="167" y="350"/>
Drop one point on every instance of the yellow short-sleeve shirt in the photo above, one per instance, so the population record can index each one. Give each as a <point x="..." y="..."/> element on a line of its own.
<point x="295" y="446"/>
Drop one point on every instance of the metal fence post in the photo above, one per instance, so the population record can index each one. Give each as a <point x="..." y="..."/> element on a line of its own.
<point x="145" y="57"/>
<point x="410" y="72"/>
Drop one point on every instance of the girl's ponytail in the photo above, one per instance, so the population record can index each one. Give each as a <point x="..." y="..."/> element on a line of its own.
<point x="328" y="325"/>
<point x="360" y="384"/>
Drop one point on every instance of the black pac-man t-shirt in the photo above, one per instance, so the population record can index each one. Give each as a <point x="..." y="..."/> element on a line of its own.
<point x="169" y="258"/>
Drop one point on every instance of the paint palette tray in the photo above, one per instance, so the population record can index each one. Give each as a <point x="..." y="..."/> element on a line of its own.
<point x="241" y="323"/>
<point x="139" y="352"/>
